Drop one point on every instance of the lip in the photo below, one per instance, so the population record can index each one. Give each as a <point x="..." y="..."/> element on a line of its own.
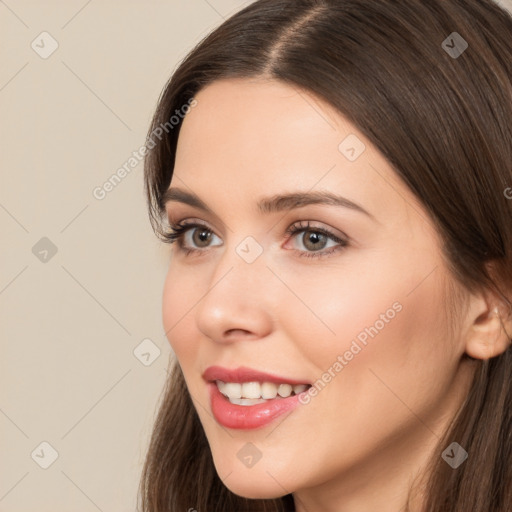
<point x="245" y="374"/>
<point x="247" y="417"/>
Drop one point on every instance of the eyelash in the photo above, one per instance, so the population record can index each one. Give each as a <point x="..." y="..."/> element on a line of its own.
<point x="178" y="231"/>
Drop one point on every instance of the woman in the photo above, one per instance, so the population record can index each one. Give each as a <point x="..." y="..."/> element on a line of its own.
<point x="339" y="290"/>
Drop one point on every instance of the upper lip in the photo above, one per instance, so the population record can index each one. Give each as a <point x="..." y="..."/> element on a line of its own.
<point x="245" y="374"/>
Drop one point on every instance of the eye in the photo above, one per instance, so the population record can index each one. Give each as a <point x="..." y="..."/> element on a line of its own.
<point x="315" y="238"/>
<point x="200" y="235"/>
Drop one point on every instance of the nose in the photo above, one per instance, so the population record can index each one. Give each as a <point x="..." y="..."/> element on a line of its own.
<point x="237" y="302"/>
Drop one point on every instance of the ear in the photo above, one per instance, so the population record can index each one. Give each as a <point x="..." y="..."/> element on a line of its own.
<point x="490" y="327"/>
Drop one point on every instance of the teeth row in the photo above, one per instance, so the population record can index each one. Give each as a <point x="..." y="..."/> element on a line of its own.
<point x="255" y="390"/>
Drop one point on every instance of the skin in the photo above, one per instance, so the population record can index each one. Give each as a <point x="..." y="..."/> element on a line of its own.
<point x="361" y="442"/>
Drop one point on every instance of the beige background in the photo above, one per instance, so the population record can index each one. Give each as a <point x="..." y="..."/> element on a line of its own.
<point x="70" y="322"/>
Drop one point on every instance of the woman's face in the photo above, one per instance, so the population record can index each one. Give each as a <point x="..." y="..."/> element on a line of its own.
<point x="364" y="322"/>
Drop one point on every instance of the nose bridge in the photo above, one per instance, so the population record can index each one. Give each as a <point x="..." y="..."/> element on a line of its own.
<point x="242" y="267"/>
<point x="238" y="296"/>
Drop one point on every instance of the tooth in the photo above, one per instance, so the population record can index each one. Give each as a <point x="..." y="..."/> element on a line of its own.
<point x="233" y="390"/>
<point x="246" y="401"/>
<point x="268" y="390"/>
<point x="251" y="390"/>
<point x="284" y="390"/>
<point x="221" y="385"/>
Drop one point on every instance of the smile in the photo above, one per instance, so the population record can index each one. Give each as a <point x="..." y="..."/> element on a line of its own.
<point x="244" y="398"/>
<point x="251" y="393"/>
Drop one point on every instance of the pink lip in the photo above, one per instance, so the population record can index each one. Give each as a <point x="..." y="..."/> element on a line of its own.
<point x="247" y="417"/>
<point x="244" y="374"/>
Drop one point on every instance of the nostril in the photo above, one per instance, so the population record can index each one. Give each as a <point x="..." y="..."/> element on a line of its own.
<point x="234" y="333"/>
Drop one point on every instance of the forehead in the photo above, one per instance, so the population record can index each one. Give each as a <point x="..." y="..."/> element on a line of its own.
<point x="259" y="132"/>
<point x="253" y="138"/>
<point x="240" y="115"/>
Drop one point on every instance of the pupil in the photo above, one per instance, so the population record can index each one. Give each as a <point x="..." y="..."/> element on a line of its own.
<point x="315" y="236"/>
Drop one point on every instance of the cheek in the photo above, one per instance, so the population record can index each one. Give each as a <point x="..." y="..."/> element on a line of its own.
<point x="396" y="355"/>
<point x="335" y="311"/>
<point x="404" y="365"/>
<point x="372" y="319"/>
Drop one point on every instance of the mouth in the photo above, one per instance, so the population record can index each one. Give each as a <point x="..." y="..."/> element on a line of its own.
<point x="252" y="393"/>
<point x="244" y="398"/>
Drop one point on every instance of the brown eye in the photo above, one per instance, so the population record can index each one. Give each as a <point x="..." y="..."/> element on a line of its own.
<point x="314" y="240"/>
<point x="201" y="236"/>
<point x="200" y="239"/>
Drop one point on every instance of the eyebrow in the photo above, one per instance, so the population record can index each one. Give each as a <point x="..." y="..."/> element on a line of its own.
<point x="266" y="205"/>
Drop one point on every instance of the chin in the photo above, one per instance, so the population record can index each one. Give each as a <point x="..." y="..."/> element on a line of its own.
<point x="252" y="483"/>
<point x="254" y="488"/>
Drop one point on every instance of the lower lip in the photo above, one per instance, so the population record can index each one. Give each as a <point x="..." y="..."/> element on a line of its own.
<point x="248" y="416"/>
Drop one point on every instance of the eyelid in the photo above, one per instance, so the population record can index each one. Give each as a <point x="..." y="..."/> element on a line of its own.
<point x="301" y="223"/>
<point x="309" y="225"/>
<point x="181" y="228"/>
<point x="192" y="220"/>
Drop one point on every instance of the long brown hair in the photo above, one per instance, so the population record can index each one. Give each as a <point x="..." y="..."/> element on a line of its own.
<point x="444" y="121"/>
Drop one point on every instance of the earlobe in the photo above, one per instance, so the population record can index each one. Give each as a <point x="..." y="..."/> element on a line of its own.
<point x="489" y="335"/>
